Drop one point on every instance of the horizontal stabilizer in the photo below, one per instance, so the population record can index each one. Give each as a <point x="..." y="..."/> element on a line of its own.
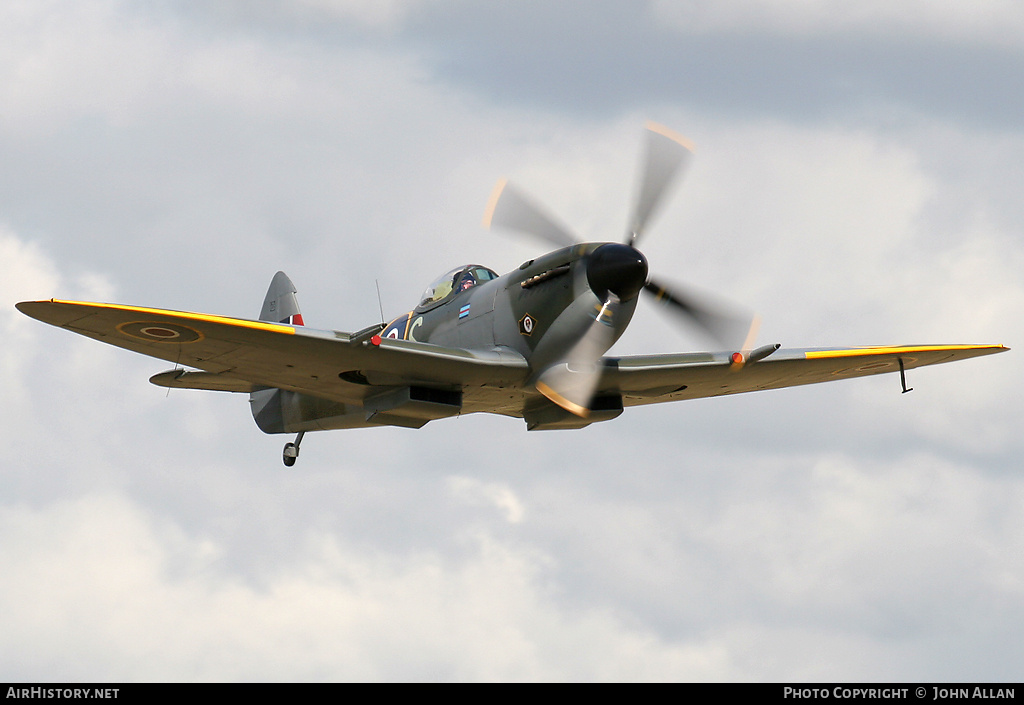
<point x="181" y="379"/>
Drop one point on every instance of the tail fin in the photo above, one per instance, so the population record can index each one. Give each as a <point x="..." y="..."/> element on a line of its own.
<point x="281" y="306"/>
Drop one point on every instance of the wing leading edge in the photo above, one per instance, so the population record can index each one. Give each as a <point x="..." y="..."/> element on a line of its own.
<point x="649" y="379"/>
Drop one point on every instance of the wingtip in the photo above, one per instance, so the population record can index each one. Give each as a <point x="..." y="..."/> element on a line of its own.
<point x="26" y="306"/>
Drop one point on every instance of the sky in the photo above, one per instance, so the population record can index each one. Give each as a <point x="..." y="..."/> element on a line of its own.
<point x="857" y="181"/>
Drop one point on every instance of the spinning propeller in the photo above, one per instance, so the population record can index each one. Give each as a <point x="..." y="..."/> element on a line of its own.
<point x="617" y="273"/>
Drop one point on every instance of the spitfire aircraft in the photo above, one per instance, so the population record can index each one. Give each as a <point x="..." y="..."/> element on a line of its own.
<point x="531" y="343"/>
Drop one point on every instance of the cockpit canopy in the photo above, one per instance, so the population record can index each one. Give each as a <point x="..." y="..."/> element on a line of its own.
<point x="452" y="282"/>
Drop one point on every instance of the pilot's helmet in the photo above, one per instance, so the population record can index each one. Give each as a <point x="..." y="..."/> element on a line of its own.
<point x="467" y="282"/>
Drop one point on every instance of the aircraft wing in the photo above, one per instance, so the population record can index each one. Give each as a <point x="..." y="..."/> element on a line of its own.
<point x="238" y="355"/>
<point x="649" y="379"/>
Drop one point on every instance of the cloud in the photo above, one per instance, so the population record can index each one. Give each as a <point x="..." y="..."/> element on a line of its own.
<point x="369" y="13"/>
<point x="995" y="21"/>
<point x="108" y="593"/>
<point x="473" y="491"/>
<point x="31" y="274"/>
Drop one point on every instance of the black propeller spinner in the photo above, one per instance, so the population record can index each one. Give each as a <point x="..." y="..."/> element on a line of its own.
<point x="619" y="269"/>
<point x="618" y="273"/>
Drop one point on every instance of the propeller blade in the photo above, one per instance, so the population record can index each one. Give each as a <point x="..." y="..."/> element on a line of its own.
<point x="615" y="271"/>
<point x="666" y="157"/>
<point x="731" y="329"/>
<point x="508" y="208"/>
<point x="571" y="384"/>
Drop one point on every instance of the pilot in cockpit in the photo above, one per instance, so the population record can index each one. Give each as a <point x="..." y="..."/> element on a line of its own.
<point x="453" y="282"/>
<point x="468" y="281"/>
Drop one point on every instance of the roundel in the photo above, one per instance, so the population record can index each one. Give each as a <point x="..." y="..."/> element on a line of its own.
<point x="527" y="324"/>
<point x="154" y="332"/>
<point x="875" y="366"/>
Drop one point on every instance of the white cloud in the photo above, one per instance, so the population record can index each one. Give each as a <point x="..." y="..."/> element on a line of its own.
<point x="107" y="593"/>
<point x="473" y="491"/>
<point x="29" y="275"/>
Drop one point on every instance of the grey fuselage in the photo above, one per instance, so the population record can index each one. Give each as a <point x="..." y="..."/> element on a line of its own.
<point x="536" y="310"/>
<point x="533" y="313"/>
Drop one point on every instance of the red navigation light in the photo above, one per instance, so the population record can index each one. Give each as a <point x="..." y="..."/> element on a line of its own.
<point x="737" y="358"/>
<point x="375" y="340"/>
